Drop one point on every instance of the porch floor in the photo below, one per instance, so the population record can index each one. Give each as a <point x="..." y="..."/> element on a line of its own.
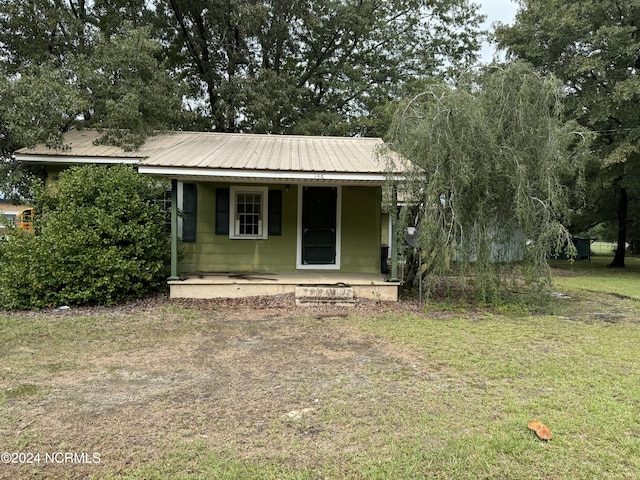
<point x="250" y="284"/>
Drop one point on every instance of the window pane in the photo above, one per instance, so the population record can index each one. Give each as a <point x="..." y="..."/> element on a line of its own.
<point x="248" y="211"/>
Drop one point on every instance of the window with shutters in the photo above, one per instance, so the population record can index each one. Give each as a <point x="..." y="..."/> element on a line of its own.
<point x="248" y="208"/>
<point x="272" y="210"/>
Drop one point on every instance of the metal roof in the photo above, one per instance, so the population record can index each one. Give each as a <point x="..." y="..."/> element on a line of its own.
<point x="207" y="154"/>
<point x="80" y="147"/>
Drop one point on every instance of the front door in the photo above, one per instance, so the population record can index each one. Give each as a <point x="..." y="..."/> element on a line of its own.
<point x="319" y="225"/>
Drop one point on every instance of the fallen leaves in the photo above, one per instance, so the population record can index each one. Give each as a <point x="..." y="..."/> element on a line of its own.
<point x="542" y="431"/>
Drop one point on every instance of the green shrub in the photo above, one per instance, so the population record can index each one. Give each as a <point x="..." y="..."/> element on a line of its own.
<point x="101" y="238"/>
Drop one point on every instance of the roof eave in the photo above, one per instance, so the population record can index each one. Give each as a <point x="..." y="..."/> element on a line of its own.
<point x="76" y="160"/>
<point x="258" y="176"/>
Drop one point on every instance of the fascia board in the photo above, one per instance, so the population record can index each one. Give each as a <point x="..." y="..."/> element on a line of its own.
<point x="266" y="175"/>
<point x="77" y="160"/>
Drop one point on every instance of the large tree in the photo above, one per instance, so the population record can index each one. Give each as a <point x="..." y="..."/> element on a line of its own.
<point x="79" y="64"/>
<point x="593" y="46"/>
<point x="322" y="67"/>
<point x="275" y="66"/>
<point x="488" y="157"/>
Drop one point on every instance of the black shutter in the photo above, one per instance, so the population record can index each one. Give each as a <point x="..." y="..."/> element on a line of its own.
<point x="189" y="209"/>
<point x="275" y="212"/>
<point x="222" y="211"/>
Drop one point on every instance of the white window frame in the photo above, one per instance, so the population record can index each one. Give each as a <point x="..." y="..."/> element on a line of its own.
<point x="263" y="224"/>
<point x="180" y="206"/>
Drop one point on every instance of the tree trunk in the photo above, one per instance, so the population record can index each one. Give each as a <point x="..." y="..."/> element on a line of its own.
<point x="618" y="259"/>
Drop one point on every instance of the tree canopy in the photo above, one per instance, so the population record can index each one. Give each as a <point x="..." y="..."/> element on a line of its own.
<point x="79" y="64"/>
<point x="593" y="47"/>
<point x="489" y="157"/>
<point x="311" y="67"/>
<point x="276" y="66"/>
<point x="133" y="67"/>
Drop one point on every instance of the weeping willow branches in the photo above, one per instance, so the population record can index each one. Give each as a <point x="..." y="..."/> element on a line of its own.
<point x="488" y="162"/>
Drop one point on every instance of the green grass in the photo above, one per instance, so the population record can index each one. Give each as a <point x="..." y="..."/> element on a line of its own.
<point x="595" y="276"/>
<point x="478" y="379"/>
<point x="494" y="374"/>
<point x="463" y="405"/>
<point x="448" y="394"/>
<point x="23" y="390"/>
<point x="193" y="461"/>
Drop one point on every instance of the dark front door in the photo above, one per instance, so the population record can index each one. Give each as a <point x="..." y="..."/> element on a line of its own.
<point x="319" y="225"/>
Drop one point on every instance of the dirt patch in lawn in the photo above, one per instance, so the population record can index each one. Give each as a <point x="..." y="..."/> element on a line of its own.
<point x="260" y="378"/>
<point x="255" y="379"/>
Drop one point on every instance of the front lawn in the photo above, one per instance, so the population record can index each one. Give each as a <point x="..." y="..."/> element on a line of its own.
<point x="261" y="389"/>
<point x="595" y="276"/>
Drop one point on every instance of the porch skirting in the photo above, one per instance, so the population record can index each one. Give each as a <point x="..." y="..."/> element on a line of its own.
<point x="235" y="285"/>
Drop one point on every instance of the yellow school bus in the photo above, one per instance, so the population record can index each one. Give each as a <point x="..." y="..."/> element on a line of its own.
<point x="24" y="220"/>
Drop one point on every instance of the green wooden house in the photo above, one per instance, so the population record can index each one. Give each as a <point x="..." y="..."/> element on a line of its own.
<point x="260" y="214"/>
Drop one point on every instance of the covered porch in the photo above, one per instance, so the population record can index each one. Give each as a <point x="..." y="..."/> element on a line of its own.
<point x="318" y="227"/>
<point x="303" y="284"/>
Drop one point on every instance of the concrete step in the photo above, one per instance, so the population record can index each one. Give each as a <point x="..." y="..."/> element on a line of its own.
<point x="318" y="295"/>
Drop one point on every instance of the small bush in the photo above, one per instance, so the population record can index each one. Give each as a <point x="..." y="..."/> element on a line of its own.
<point x="101" y="238"/>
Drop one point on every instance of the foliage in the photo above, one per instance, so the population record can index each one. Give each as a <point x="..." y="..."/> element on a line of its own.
<point x="119" y="85"/>
<point x="133" y="67"/>
<point x="101" y="239"/>
<point x="79" y="64"/>
<point x="488" y="159"/>
<point x="593" y="47"/>
<point x="131" y="95"/>
<point x="277" y="66"/>
<point x="34" y="108"/>
<point x="311" y="67"/>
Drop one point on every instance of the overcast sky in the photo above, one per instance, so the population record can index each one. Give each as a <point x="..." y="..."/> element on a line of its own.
<point x="496" y="11"/>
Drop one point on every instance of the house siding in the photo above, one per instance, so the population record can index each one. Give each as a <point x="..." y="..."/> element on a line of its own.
<point x="219" y="253"/>
<point x="361" y="223"/>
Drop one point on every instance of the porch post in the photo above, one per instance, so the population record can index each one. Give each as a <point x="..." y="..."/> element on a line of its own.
<point x="174" y="230"/>
<point x="394" y="227"/>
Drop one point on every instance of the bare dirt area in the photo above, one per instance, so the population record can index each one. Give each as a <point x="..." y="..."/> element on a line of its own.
<point x="252" y="377"/>
<point x="159" y="388"/>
